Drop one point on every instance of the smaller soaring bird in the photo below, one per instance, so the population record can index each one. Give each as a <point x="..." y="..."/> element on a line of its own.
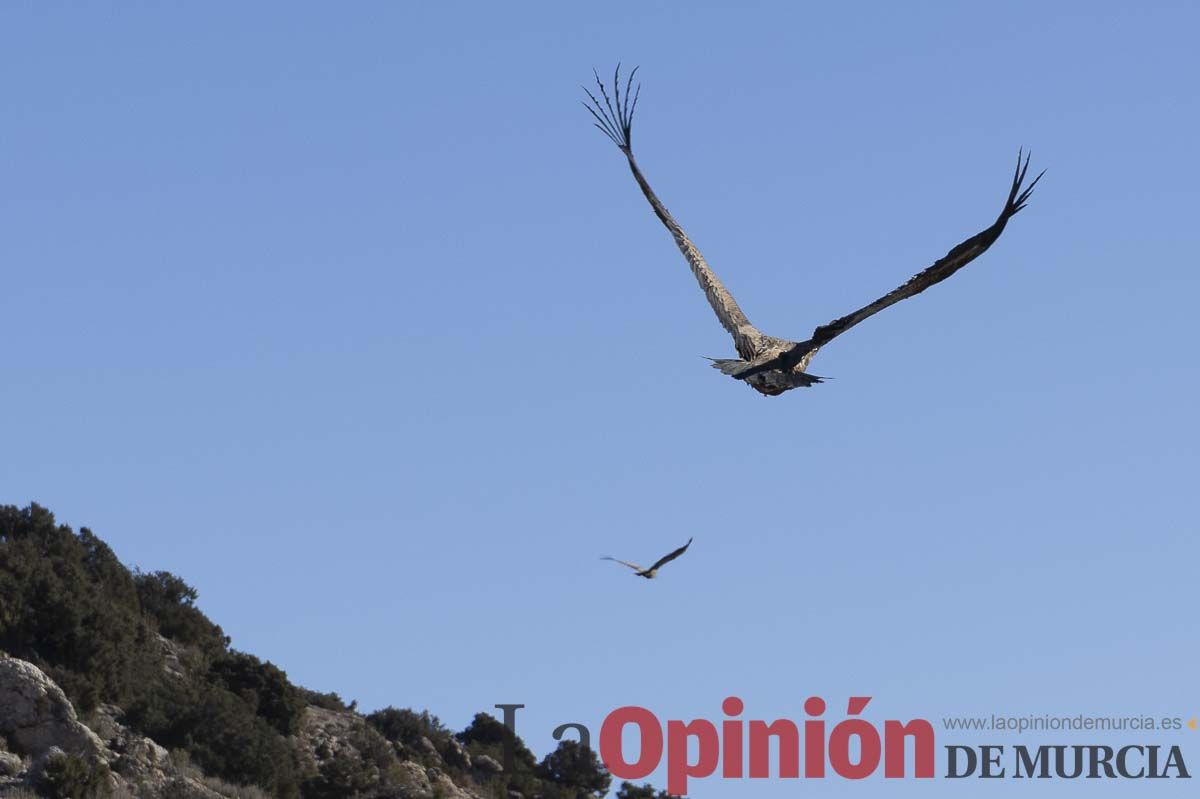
<point x="652" y="572"/>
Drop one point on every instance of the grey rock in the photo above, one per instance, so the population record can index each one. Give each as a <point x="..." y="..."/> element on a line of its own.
<point x="35" y="714"/>
<point x="444" y="786"/>
<point x="172" y="663"/>
<point x="428" y="749"/>
<point x="455" y="755"/>
<point x="414" y="779"/>
<point x="103" y="722"/>
<point x="43" y="758"/>
<point x="37" y="719"/>
<point x="183" y="788"/>
<point x="143" y="762"/>
<point x="487" y="765"/>
<point x="10" y="765"/>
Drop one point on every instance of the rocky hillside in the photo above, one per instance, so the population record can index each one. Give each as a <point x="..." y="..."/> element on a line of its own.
<point x="47" y="748"/>
<point x="114" y="684"/>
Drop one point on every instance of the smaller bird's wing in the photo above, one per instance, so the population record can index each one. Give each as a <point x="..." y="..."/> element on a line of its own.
<point x="944" y="267"/>
<point x="633" y="566"/>
<point x="668" y="558"/>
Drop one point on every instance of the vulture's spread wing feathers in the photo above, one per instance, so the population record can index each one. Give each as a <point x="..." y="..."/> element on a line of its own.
<point x="668" y="558"/>
<point x="614" y="118"/>
<point x="943" y="268"/>
<point x="633" y="566"/>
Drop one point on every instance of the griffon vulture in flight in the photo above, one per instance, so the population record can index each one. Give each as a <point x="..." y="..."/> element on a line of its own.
<point x="774" y="365"/>
<point x="652" y="572"/>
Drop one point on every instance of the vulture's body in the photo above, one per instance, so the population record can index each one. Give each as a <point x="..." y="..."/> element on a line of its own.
<point x="769" y="364"/>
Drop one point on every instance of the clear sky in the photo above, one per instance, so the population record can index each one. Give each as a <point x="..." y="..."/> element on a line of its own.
<point x="346" y="314"/>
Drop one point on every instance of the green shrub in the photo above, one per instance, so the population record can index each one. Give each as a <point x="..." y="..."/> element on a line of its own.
<point x="486" y="735"/>
<point x="365" y="767"/>
<point x="220" y="733"/>
<point x="406" y="726"/>
<point x="630" y="791"/>
<point x="329" y="701"/>
<point x="576" y="769"/>
<point x="263" y="687"/>
<point x="70" y="607"/>
<point x="72" y="777"/>
<point x="171" y="603"/>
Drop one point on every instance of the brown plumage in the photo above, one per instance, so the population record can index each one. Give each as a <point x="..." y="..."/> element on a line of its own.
<point x="652" y="572"/>
<point x="769" y="364"/>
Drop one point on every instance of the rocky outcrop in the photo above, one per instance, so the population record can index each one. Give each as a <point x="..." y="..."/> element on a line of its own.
<point x="41" y="728"/>
<point x="455" y="755"/>
<point x="172" y="662"/>
<point x="487" y="765"/>
<point x="428" y="749"/>
<point x="330" y="736"/>
<point x="442" y="785"/>
<point x="138" y="761"/>
<point x="10" y="765"/>
<point x="36" y="715"/>
<point x="415" y="779"/>
<point x="40" y="731"/>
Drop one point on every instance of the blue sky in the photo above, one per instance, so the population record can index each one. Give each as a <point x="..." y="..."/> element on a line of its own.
<point x="349" y="317"/>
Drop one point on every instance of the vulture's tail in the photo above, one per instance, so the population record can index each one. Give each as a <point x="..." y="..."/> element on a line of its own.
<point x="737" y="368"/>
<point x="729" y="366"/>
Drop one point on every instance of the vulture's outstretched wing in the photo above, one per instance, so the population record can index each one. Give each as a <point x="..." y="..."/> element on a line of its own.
<point x="954" y="260"/>
<point x="668" y="558"/>
<point x="633" y="566"/>
<point x="614" y="118"/>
